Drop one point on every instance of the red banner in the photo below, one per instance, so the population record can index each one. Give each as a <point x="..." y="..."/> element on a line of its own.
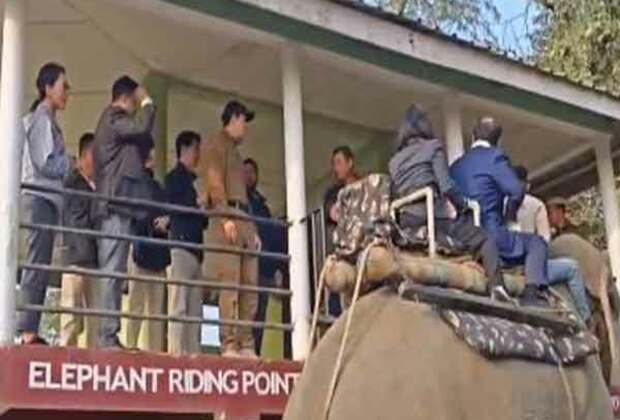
<point x="71" y="379"/>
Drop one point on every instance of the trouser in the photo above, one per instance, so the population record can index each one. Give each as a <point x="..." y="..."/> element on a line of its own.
<point x="183" y="337"/>
<point x="240" y="270"/>
<point x="468" y="237"/>
<point x="261" y="314"/>
<point x="146" y="299"/>
<point x="567" y="270"/>
<point x="78" y="291"/>
<point x="40" y="245"/>
<point x="113" y="254"/>
<point x="535" y="259"/>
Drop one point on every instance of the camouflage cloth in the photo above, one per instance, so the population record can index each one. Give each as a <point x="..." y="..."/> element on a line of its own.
<point x="497" y="338"/>
<point x="363" y="215"/>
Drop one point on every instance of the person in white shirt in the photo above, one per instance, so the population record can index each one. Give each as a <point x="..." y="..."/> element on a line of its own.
<point x="532" y="215"/>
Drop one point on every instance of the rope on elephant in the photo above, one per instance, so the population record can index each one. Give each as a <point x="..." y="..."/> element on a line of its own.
<point x="345" y="335"/>
<point x="567" y="388"/>
<point x="317" y="304"/>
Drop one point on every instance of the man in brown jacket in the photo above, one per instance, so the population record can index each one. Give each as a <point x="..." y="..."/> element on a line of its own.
<point x="226" y="191"/>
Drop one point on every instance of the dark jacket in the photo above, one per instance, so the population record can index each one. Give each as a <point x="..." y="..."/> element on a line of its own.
<point x="270" y="235"/>
<point x="422" y="163"/>
<point x="79" y="250"/>
<point x="149" y="256"/>
<point x="180" y="190"/>
<point x="121" y="143"/>
<point x="486" y="175"/>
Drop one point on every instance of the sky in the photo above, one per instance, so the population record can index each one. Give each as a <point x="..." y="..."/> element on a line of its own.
<point x="511" y="31"/>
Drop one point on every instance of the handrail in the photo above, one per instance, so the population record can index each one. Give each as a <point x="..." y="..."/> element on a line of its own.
<point x="157" y="317"/>
<point x="138" y="202"/>
<point x="162" y="242"/>
<point x="428" y="194"/>
<point x="206" y="284"/>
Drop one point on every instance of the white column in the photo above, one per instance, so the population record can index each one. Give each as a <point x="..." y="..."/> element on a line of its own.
<point x="296" y="200"/>
<point x="607" y="186"/>
<point x="11" y="97"/>
<point x="453" y="128"/>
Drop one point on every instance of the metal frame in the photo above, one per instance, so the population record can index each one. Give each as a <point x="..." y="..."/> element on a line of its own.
<point x="427" y="194"/>
<point x="205" y="283"/>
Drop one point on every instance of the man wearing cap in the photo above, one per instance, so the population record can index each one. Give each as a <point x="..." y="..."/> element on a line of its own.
<point x="557" y="208"/>
<point x="223" y="179"/>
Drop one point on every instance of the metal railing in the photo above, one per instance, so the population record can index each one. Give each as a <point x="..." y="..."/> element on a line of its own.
<point x="205" y="282"/>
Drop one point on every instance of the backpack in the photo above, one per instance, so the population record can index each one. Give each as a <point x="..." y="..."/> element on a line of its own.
<point x="363" y="215"/>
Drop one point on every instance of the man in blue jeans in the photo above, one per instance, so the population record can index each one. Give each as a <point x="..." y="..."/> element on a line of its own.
<point x="559" y="270"/>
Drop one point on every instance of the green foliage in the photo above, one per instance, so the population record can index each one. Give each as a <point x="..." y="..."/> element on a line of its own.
<point x="580" y="39"/>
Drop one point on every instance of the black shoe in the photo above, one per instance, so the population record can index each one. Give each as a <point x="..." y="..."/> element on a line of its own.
<point x="35" y="340"/>
<point x="114" y="345"/>
<point x="529" y="297"/>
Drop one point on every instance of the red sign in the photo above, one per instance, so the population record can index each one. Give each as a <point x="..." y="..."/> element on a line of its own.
<point x="35" y="377"/>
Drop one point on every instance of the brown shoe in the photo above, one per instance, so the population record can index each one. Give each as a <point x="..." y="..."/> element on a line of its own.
<point x="230" y="353"/>
<point x="248" y="354"/>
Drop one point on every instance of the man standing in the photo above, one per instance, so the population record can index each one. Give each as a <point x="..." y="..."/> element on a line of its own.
<point x="486" y="175"/>
<point x="271" y="241"/>
<point x="122" y="141"/>
<point x="149" y="260"/>
<point x="78" y="291"/>
<point x="343" y="172"/>
<point x="184" y="338"/>
<point x="226" y="191"/>
<point x="532" y="215"/>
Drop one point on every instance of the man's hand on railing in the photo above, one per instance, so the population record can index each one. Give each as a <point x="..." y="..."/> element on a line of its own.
<point x="161" y="224"/>
<point x="230" y="231"/>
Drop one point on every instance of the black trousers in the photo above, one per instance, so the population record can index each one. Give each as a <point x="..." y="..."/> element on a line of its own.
<point x="462" y="235"/>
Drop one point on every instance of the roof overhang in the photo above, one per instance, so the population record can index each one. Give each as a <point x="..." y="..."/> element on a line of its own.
<point x="362" y="36"/>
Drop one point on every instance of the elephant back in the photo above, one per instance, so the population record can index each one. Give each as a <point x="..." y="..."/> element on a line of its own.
<point x="403" y="362"/>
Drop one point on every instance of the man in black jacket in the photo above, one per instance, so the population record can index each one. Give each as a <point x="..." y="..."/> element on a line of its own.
<point x="79" y="291"/>
<point x="184" y="338"/>
<point x="120" y="141"/>
<point x="149" y="260"/>
<point x="270" y="271"/>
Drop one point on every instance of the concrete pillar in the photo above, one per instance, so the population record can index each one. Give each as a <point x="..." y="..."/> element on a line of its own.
<point x="607" y="186"/>
<point x="453" y="128"/>
<point x="11" y="146"/>
<point x="158" y="86"/>
<point x="296" y="199"/>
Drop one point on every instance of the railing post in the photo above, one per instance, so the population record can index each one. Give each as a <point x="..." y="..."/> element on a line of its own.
<point x="607" y="187"/>
<point x="296" y="200"/>
<point x="11" y="97"/>
<point x="453" y="130"/>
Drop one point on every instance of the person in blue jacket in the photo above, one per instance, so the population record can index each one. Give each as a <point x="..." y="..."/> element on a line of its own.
<point x="486" y="175"/>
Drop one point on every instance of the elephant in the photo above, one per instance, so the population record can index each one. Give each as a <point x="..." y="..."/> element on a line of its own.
<point x="403" y="362"/>
<point x="603" y="296"/>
